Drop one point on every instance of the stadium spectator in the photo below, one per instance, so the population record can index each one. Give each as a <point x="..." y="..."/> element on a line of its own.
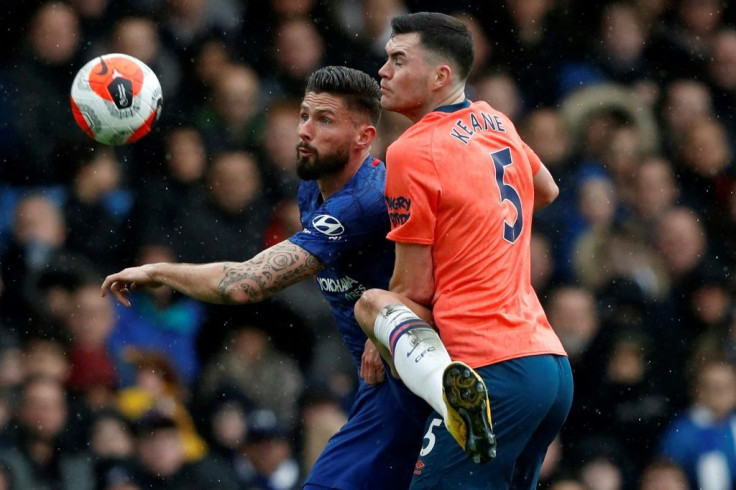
<point x="657" y="190"/>
<point x="722" y="77"/>
<point x="39" y="236"/>
<point x="45" y="357"/>
<point x="158" y="389"/>
<point x="566" y="483"/>
<point x="96" y="207"/>
<point x="663" y="475"/>
<point x="38" y="453"/>
<point x="686" y="102"/>
<point x="601" y="473"/>
<point x="621" y="57"/>
<point x="185" y="22"/>
<point x="366" y="26"/>
<point x="681" y="46"/>
<point x="267" y="447"/>
<point x="321" y="416"/>
<point x="162" y="459"/>
<point x="279" y="162"/>
<point x="533" y="30"/>
<point x="500" y="90"/>
<point x="112" y="447"/>
<point x="629" y="387"/>
<point x="230" y="116"/>
<point x="250" y="363"/>
<point x="92" y="364"/>
<point x="572" y="311"/>
<point x="704" y="164"/>
<point x="164" y="321"/>
<point x="176" y="179"/>
<point x="297" y="49"/>
<point x="224" y="425"/>
<point x="41" y="75"/>
<point x="701" y="441"/>
<point x="95" y="19"/>
<point x="233" y="210"/>
<point x="482" y="52"/>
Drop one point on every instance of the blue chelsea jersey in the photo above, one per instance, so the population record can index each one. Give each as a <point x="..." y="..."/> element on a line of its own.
<point x="347" y="233"/>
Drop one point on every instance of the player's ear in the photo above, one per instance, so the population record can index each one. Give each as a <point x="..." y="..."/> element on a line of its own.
<point x="442" y="75"/>
<point x="365" y="135"/>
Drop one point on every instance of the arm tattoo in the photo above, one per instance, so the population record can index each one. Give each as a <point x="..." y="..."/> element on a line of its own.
<point x="268" y="272"/>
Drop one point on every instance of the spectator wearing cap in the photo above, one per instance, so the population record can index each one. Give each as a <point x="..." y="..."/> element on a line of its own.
<point x="162" y="460"/>
<point x="270" y="452"/>
<point x="224" y="415"/>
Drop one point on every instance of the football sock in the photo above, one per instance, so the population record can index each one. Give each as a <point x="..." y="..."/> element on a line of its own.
<point x="419" y="355"/>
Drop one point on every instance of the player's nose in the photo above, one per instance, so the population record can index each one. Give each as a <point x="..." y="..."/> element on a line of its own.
<point x="304" y="131"/>
<point x="383" y="71"/>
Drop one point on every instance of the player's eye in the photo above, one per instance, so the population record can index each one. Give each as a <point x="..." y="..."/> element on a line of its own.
<point x="303" y="116"/>
<point x="326" y="121"/>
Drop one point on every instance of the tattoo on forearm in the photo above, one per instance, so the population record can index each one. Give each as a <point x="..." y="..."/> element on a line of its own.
<point x="268" y="272"/>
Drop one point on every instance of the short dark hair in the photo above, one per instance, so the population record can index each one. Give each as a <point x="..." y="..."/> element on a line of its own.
<point x="440" y="33"/>
<point x="358" y="89"/>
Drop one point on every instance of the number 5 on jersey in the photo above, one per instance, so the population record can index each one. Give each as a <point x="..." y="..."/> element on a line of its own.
<point x="502" y="159"/>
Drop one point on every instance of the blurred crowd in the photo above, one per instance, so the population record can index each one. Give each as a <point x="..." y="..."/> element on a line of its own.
<point x="631" y="104"/>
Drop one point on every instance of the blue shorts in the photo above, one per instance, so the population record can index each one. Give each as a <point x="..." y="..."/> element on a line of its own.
<point x="530" y="399"/>
<point x="377" y="448"/>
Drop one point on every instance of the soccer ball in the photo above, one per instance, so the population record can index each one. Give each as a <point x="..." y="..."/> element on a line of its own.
<point x="116" y="99"/>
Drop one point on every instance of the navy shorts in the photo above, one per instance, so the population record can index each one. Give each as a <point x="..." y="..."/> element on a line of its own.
<point x="530" y="399"/>
<point x="377" y="448"/>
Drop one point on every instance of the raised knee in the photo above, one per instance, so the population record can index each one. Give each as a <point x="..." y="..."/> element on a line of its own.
<point x="367" y="298"/>
<point x="367" y="307"/>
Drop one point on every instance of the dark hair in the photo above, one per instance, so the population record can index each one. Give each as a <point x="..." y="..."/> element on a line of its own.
<point x="152" y="421"/>
<point x="440" y="33"/>
<point x="358" y="89"/>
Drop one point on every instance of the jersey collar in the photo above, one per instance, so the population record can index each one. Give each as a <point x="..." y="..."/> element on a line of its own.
<point x="453" y="107"/>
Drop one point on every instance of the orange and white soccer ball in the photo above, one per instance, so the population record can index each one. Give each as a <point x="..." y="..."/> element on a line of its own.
<point x="116" y="99"/>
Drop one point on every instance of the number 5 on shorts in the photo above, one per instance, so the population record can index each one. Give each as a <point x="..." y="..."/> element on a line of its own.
<point x="430" y="437"/>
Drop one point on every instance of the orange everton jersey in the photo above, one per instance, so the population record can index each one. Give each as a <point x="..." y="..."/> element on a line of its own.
<point x="460" y="180"/>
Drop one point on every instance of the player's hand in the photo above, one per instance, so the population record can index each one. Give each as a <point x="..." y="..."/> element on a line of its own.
<point x="371" y="366"/>
<point x="123" y="282"/>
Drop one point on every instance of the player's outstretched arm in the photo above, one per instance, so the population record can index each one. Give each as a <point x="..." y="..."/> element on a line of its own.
<point x="264" y="275"/>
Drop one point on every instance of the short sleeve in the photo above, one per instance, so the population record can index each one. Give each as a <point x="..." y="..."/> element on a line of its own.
<point x="343" y="226"/>
<point x="534" y="160"/>
<point x="412" y="195"/>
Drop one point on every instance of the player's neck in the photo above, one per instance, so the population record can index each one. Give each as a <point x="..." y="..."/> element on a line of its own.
<point x="449" y="97"/>
<point x="330" y="184"/>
